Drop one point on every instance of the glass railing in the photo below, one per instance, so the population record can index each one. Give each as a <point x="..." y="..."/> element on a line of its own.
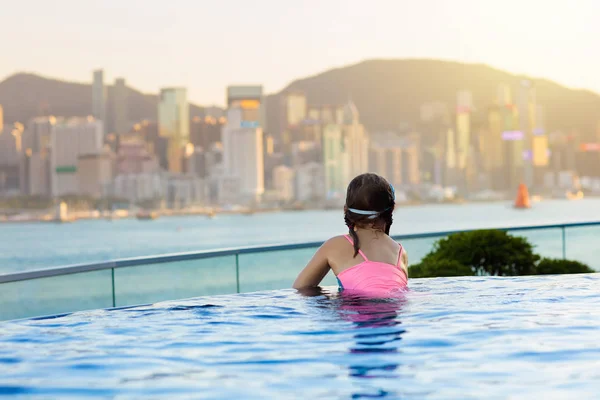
<point x="152" y="279"/>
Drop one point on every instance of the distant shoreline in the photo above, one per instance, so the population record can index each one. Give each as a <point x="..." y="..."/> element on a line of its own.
<point x="47" y="217"/>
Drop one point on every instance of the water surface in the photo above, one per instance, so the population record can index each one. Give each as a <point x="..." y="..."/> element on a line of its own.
<point x="465" y="338"/>
<point x="38" y="245"/>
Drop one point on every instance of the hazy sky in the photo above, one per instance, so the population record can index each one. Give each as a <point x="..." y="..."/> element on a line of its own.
<point x="206" y="45"/>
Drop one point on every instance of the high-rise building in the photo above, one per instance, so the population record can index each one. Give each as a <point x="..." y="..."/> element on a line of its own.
<point x="249" y="99"/>
<point x="283" y="183"/>
<point x="69" y="140"/>
<point x="10" y="157"/>
<point x="434" y="126"/>
<point x="526" y="105"/>
<point x="310" y="183"/>
<point x="120" y="107"/>
<point x="99" y="97"/>
<point x="94" y="174"/>
<point x="204" y="132"/>
<point x="1" y="117"/>
<point x="395" y="157"/>
<point x="133" y="157"/>
<point x="295" y="109"/>
<point x="35" y="174"/>
<point x="243" y="151"/>
<point x="174" y="125"/>
<point x="356" y="142"/>
<point x="38" y="132"/>
<point x="335" y="161"/>
<point x="464" y="108"/>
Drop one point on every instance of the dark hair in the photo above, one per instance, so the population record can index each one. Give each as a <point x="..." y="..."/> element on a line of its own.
<point x="369" y="192"/>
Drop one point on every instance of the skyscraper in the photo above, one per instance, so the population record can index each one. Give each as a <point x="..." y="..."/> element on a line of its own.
<point x="10" y="157"/>
<point x="334" y="160"/>
<point x="69" y="140"/>
<point x="243" y="155"/>
<point x="526" y="104"/>
<point x="120" y="107"/>
<point x="356" y="142"/>
<point x="250" y="100"/>
<point x="174" y="125"/>
<point x="99" y="97"/>
<point x="243" y="147"/>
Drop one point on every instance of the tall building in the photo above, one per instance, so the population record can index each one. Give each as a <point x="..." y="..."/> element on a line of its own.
<point x="335" y="161"/>
<point x="35" y="174"/>
<point x="120" y="107"/>
<point x="70" y="140"/>
<point x="204" y="132"/>
<point x="356" y="142"/>
<point x="526" y="105"/>
<point x="395" y="157"/>
<point x="250" y="100"/>
<point x="283" y="183"/>
<point x="243" y="151"/>
<point x="295" y="108"/>
<point x="38" y="132"/>
<point x="99" y="97"/>
<point x="174" y="125"/>
<point x="434" y="126"/>
<point x="133" y="157"/>
<point x="464" y="108"/>
<point x="310" y="183"/>
<point x="10" y="157"/>
<point x="1" y="117"/>
<point x="94" y="174"/>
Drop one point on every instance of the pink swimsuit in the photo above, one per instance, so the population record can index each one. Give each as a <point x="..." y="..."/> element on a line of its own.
<point x="373" y="277"/>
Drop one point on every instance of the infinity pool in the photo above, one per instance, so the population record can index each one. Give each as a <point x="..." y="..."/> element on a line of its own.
<point x="447" y="338"/>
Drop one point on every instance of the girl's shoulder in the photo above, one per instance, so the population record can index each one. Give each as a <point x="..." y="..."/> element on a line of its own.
<point x="336" y="242"/>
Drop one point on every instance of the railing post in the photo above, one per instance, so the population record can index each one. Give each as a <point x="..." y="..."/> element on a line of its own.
<point x="114" y="300"/>
<point x="564" y="243"/>
<point x="237" y="272"/>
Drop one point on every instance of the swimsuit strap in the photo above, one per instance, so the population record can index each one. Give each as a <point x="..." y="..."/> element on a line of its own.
<point x="359" y="250"/>
<point x="400" y="257"/>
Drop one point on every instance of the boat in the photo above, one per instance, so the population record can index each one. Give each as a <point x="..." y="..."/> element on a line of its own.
<point x="522" y="201"/>
<point x="211" y="214"/>
<point x="146" y="215"/>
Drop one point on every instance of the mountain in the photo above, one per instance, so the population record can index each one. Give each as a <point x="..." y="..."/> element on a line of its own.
<point x="389" y="93"/>
<point x="24" y="96"/>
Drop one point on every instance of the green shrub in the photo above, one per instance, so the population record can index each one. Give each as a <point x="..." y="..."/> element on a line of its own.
<point x="439" y="268"/>
<point x="489" y="252"/>
<point x="549" y="266"/>
<point x="486" y="252"/>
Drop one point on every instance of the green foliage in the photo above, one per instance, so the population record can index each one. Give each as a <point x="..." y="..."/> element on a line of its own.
<point x="439" y="268"/>
<point x="549" y="266"/>
<point x="489" y="252"/>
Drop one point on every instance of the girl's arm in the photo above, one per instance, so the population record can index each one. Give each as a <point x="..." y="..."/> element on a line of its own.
<point x="315" y="270"/>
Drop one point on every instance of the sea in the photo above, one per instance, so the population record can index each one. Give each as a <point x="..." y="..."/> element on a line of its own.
<point x="30" y="246"/>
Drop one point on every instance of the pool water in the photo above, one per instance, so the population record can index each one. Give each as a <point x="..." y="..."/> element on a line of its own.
<point x="458" y="338"/>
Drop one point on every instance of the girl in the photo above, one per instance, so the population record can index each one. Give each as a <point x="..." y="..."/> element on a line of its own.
<point x="367" y="260"/>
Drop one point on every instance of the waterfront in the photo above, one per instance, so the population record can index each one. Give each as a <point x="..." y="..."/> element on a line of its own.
<point x="39" y="245"/>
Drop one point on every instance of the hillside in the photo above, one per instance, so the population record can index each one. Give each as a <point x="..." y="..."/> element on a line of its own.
<point x="24" y="96"/>
<point x="387" y="93"/>
<point x="390" y="92"/>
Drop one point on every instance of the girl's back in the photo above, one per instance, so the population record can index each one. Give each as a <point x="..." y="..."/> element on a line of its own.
<point x="367" y="260"/>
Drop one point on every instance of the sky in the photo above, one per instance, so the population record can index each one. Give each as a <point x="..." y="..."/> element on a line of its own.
<point x="208" y="45"/>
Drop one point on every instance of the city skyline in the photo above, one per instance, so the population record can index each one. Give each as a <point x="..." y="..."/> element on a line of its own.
<point x="307" y="42"/>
